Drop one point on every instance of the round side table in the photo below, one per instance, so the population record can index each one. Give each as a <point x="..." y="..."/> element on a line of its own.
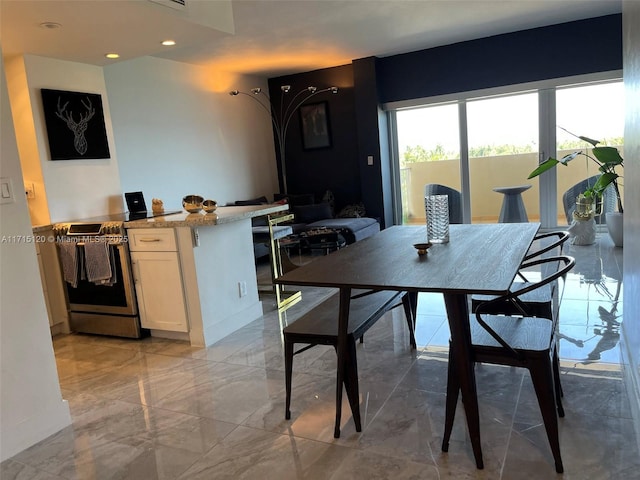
<point x="513" y="210"/>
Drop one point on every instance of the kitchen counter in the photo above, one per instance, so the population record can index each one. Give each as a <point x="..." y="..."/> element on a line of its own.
<point x="214" y="277"/>
<point x="221" y="216"/>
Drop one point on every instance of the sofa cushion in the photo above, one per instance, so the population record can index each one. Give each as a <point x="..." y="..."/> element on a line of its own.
<point x="353" y="211"/>
<point x="311" y="213"/>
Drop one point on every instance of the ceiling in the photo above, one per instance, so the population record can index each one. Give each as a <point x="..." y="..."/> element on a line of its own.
<point x="269" y="37"/>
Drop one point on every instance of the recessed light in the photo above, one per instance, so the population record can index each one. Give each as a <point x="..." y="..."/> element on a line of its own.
<point x="168" y="43"/>
<point x="50" y="25"/>
<point x="112" y="55"/>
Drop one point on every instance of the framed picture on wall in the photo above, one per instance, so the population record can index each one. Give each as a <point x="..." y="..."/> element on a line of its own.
<point x="75" y="125"/>
<point x="314" y="125"/>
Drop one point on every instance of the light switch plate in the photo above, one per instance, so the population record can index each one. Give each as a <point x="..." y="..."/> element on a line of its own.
<point x="6" y="190"/>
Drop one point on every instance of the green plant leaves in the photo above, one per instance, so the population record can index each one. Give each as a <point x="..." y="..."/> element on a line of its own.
<point x="550" y="162"/>
<point x="588" y="140"/>
<point x="608" y="155"/>
<point x="604" y="181"/>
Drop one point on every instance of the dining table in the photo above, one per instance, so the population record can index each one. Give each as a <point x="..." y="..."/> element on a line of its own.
<point x="478" y="259"/>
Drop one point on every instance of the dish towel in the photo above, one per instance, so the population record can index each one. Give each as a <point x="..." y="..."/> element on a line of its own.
<point x="97" y="262"/>
<point x="69" y="261"/>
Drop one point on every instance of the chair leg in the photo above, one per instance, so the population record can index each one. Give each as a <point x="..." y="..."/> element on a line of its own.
<point x="557" y="385"/>
<point x="288" y="370"/>
<point x="543" y="382"/>
<point x="557" y="354"/>
<point x="453" y="390"/>
<point x="411" y="321"/>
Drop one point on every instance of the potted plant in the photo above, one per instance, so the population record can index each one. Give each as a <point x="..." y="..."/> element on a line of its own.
<point x="607" y="158"/>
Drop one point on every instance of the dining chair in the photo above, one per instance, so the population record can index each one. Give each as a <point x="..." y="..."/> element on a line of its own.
<point x="518" y="340"/>
<point x="454" y="200"/>
<point x="541" y="302"/>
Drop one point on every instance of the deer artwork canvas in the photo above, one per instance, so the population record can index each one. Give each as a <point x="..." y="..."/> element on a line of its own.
<point x="75" y="125"/>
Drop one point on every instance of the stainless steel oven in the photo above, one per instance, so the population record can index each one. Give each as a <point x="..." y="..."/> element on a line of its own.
<point x="105" y="309"/>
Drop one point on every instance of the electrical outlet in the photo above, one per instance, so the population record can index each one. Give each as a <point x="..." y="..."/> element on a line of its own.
<point x="30" y="190"/>
<point x="242" y="289"/>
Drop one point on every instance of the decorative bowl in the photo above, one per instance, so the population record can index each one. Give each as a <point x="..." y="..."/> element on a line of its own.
<point x="192" y="203"/>
<point x="209" y="206"/>
<point x="422" y="247"/>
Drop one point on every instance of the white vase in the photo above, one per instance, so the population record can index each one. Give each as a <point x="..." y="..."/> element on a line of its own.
<point x="614" y="225"/>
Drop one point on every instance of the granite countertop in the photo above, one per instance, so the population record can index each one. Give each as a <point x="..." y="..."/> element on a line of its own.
<point x="220" y="216"/>
<point x="184" y="219"/>
<point x="41" y="228"/>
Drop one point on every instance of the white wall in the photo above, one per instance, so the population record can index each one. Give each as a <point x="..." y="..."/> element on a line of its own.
<point x="631" y="323"/>
<point x="74" y="188"/>
<point x="179" y="132"/>
<point x="31" y="405"/>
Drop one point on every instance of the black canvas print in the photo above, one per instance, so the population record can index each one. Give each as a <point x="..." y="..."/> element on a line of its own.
<point x="75" y="125"/>
<point x="314" y="123"/>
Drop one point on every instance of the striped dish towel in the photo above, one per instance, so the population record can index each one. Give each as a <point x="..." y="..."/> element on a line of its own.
<point x="69" y="261"/>
<point x="97" y="263"/>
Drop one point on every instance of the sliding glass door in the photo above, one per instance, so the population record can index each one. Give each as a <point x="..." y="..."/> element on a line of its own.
<point x="593" y="111"/>
<point x="503" y="149"/>
<point x="429" y="152"/>
<point x="476" y="144"/>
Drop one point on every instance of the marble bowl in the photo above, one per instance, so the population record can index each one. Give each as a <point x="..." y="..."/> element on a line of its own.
<point x="192" y="203"/>
<point x="209" y="206"/>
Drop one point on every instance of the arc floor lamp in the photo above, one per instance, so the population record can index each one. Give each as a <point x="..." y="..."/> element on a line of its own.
<point x="281" y="117"/>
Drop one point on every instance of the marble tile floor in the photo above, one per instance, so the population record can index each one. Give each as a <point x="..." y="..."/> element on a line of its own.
<point x="160" y="409"/>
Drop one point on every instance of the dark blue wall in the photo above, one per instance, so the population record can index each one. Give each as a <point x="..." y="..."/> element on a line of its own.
<point x="333" y="168"/>
<point x="563" y="50"/>
<point x="358" y="129"/>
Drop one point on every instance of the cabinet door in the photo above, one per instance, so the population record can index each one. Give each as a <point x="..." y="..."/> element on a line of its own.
<point x="53" y="285"/>
<point x="159" y="289"/>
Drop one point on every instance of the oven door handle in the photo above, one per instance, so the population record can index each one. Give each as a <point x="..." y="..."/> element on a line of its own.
<point x="113" y="244"/>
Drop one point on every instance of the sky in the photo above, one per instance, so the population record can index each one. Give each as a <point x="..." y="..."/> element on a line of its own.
<point x="595" y="111"/>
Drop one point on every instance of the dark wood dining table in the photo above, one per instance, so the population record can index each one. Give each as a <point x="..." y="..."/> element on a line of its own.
<point x="479" y="258"/>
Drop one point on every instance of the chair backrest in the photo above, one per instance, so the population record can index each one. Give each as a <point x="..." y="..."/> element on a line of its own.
<point x="563" y="264"/>
<point x="455" y="199"/>
<point x="569" y="198"/>
<point x="561" y="237"/>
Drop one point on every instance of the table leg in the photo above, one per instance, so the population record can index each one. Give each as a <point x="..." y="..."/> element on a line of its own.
<point x="343" y="323"/>
<point x="458" y="315"/>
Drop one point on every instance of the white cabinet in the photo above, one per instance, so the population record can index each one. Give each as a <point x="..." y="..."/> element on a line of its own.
<point x="52" y="283"/>
<point x="158" y="279"/>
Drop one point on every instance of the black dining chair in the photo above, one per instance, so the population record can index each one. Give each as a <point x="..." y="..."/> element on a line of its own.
<point x="454" y="200"/>
<point x="518" y="340"/>
<point x="541" y="302"/>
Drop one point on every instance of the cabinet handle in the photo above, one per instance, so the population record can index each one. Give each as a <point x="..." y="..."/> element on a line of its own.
<point x="149" y="240"/>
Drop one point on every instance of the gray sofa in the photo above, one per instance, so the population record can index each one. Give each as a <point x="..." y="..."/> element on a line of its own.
<point x="309" y="216"/>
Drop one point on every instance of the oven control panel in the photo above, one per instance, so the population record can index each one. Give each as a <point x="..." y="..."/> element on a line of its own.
<point x="88" y="229"/>
<point x="112" y="228"/>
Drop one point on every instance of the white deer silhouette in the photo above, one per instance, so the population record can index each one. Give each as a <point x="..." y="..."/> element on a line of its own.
<point x="78" y="128"/>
